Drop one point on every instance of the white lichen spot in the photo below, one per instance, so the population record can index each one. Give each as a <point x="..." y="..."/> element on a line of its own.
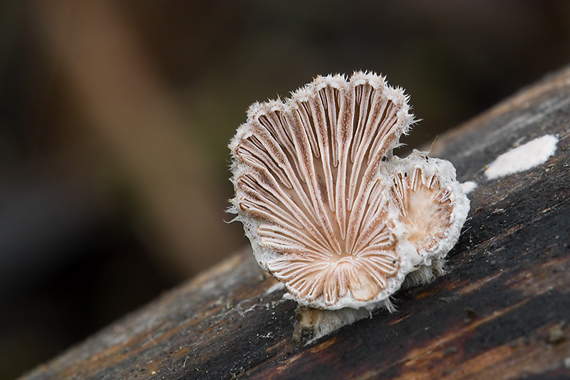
<point x="468" y="186"/>
<point x="330" y="211"/>
<point x="524" y="157"/>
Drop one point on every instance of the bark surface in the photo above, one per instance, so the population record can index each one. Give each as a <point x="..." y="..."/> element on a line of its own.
<point x="502" y="311"/>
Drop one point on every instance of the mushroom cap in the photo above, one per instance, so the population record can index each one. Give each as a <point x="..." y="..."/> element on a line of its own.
<point x="329" y="210"/>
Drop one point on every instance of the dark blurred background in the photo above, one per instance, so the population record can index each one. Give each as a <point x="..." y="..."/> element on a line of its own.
<point x="115" y="116"/>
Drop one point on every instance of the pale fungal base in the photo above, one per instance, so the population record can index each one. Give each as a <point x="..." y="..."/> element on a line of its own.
<point x="425" y="274"/>
<point x="330" y="211"/>
<point x="312" y="324"/>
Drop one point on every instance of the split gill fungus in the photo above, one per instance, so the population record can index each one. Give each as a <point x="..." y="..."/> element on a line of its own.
<point x="329" y="210"/>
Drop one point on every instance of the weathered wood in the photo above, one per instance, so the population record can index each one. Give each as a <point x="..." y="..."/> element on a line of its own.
<point x="501" y="312"/>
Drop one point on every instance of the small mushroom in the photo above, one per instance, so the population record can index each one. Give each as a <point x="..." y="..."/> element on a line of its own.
<point x="329" y="211"/>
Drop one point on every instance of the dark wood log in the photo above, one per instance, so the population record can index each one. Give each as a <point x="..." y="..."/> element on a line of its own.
<point x="502" y="311"/>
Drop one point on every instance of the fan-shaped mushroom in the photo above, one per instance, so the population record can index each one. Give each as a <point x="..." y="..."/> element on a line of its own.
<point x="329" y="210"/>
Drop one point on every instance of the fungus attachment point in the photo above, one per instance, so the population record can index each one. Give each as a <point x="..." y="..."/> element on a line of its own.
<point x="329" y="211"/>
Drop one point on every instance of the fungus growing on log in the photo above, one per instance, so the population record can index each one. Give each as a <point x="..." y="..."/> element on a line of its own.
<point x="329" y="211"/>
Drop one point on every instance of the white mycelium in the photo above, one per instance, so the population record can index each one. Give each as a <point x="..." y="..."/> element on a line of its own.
<point x="524" y="157"/>
<point x="468" y="186"/>
<point x="329" y="211"/>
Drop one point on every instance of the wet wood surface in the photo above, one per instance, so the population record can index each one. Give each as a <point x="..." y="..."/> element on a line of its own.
<point x="502" y="311"/>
